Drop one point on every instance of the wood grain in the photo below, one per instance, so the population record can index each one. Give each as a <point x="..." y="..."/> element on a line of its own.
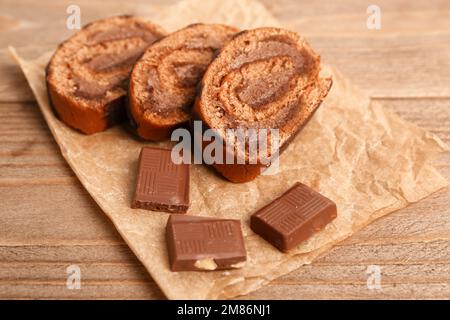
<point x="48" y="221"/>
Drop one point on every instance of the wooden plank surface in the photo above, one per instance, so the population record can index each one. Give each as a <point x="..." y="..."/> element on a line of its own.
<point x="48" y="221"/>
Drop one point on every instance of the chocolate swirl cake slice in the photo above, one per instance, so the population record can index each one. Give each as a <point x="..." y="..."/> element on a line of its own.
<point x="163" y="82"/>
<point x="266" y="78"/>
<point x="87" y="77"/>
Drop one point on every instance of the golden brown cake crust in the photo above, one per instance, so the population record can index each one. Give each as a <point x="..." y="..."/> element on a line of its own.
<point x="163" y="82"/>
<point x="265" y="78"/>
<point x="88" y="74"/>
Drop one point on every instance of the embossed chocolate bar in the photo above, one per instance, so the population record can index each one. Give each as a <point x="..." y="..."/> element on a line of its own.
<point x="200" y="244"/>
<point x="161" y="184"/>
<point x="293" y="217"/>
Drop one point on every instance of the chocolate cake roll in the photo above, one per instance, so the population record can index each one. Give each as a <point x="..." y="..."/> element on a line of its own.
<point x="87" y="77"/>
<point x="163" y="82"/>
<point x="265" y="78"/>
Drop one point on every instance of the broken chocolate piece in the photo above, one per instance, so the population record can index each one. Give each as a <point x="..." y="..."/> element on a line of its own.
<point x="161" y="184"/>
<point x="202" y="244"/>
<point x="293" y="217"/>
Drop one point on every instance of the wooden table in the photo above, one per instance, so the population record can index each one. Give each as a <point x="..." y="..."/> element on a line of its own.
<point x="48" y="221"/>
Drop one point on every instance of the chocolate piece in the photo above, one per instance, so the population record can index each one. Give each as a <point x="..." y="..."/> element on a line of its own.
<point x="293" y="217"/>
<point x="161" y="184"/>
<point x="202" y="244"/>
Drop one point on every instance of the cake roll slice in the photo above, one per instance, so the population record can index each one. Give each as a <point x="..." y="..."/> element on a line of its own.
<point x="87" y="77"/>
<point x="163" y="82"/>
<point x="263" y="79"/>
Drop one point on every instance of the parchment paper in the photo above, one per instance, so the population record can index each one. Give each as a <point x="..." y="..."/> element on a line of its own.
<point x="369" y="161"/>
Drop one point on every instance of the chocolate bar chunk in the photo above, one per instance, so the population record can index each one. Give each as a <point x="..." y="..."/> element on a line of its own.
<point x="293" y="217"/>
<point x="161" y="184"/>
<point x="201" y="244"/>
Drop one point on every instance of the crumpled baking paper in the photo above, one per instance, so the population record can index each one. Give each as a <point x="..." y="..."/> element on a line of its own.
<point x="366" y="159"/>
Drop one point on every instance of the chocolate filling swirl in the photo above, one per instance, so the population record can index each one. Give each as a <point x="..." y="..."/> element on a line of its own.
<point x="172" y="82"/>
<point x="100" y="57"/>
<point x="164" y="81"/>
<point x="111" y="58"/>
<point x="264" y="78"/>
<point x="88" y="75"/>
<point x="261" y="79"/>
<point x="263" y="82"/>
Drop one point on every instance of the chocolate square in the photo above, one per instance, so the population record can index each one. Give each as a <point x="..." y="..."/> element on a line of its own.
<point x="198" y="243"/>
<point x="293" y="217"/>
<point x="161" y="184"/>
